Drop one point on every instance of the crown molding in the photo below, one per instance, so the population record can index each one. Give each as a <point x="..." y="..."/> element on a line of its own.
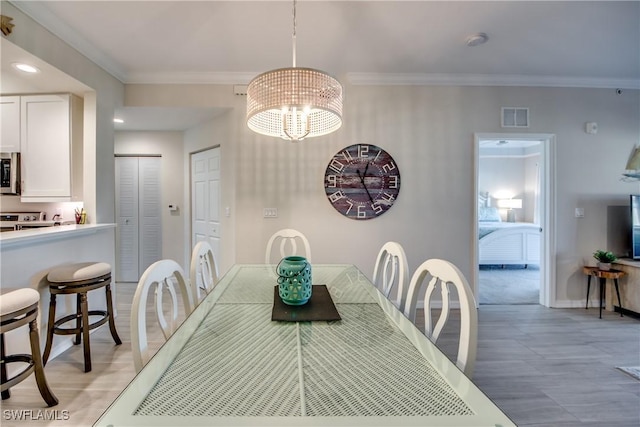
<point x="391" y="79"/>
<point x="221" y="78"/>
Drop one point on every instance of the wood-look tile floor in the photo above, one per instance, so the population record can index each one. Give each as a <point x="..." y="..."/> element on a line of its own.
<point x="542" y="367"/>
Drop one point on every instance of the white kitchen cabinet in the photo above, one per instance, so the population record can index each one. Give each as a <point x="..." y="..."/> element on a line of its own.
<point x="51" y="146"/>
<point x="10" y="124"/>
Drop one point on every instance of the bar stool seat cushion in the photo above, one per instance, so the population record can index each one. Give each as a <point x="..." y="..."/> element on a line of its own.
<point x="17" y="300"/>
<point x="78" y="272"/>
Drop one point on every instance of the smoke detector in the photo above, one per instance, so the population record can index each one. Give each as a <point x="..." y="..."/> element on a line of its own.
<point x="477" y="39"/>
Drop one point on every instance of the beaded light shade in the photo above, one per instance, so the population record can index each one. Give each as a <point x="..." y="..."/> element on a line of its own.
<point x="294" y="103"/>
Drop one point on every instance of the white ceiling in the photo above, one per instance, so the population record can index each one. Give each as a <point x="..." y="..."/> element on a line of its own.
<point x="572" y="42"/>
<point x="49" y="79"/>
<point x="533" y="43"/>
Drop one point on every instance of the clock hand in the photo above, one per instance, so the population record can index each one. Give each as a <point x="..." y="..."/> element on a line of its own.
<point x="362" y="181"/>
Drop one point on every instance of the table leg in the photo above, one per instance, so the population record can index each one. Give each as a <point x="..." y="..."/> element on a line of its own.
<point x="603" y="282"/>
<point x="615" y="281"/>
<point x="588" y="289"/>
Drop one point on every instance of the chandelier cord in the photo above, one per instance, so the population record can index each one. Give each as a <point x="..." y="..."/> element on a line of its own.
<point x="293" y="37"/>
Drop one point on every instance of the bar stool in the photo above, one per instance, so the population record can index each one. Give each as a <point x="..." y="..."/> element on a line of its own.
<point x="79" y="279"/>
<point x="17" y="308"/>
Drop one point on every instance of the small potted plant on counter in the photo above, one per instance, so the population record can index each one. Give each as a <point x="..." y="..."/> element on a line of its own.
<point x="605" y="258"/>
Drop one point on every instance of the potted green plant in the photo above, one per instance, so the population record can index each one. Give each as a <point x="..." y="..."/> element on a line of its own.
<point x="605" y="258"/>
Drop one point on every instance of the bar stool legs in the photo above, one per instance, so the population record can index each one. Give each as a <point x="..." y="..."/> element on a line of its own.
<point x="52" y="320"/>
<point x="18" y="308"/>
<point x="84" y="307"/>
<point x="79" y="279"/>
<point x="112" y="321"/>
<point x="41" y="380"/>
<point x="3" y="368"/>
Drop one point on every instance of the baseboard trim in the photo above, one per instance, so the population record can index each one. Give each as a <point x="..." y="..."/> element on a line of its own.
<point x="573" y="304"/>
<point x="626" y="312"/>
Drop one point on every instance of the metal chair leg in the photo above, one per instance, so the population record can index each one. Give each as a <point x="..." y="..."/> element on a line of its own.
<point x="615" y="281"/>
<point x="602" y="286"/>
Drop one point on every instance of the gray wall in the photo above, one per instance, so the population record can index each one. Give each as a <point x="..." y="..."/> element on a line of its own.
<point x="429" y="131"/>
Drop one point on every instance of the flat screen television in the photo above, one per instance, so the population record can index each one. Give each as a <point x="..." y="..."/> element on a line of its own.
<point x="635" y="226"/>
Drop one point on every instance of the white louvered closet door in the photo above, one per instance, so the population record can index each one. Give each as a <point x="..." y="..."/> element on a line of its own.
<point x="138" y="212"/>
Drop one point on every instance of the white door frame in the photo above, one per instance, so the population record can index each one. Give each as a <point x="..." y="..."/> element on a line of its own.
<point x="217" y="251"/>
<point x="548" y="223"/>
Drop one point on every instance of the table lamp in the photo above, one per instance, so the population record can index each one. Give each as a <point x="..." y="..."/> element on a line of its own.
<point x="510" y="205"/>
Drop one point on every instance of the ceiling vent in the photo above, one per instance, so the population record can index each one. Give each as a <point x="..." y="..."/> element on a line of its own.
<point x="240" y="89"/>
<point x="515" y="117"/>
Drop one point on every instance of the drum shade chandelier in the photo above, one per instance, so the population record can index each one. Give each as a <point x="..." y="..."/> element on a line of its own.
<point x="294" y="103"/>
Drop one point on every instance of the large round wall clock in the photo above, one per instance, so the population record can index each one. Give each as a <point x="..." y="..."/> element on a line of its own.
<point x="362" y="181"/>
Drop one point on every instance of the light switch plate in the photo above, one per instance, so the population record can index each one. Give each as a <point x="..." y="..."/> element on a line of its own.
<point x="579" y="212"/>
<point x="270" y="212"/>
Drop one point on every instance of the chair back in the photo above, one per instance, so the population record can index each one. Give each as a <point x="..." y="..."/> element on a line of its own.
<point x="203" y="273"/>
<point x="444" y="273"/>
<point x="161" y="275"/>
<point x="392" y="268"/>
<point x="286" y="241"/>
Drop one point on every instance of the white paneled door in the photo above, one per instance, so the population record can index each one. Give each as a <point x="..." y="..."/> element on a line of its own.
<point x="138" y="212"/>
<point x="205" y="198"/>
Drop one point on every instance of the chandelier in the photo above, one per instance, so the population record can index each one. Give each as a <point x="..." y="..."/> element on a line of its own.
<point x="294" y="103"/>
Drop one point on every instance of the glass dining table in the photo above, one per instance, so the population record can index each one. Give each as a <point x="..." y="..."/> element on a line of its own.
<point x="229" y="364"/>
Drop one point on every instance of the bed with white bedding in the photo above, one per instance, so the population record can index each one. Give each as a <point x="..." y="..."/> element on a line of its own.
<point x="509" y="243"/>
<point x="506" y="243"/>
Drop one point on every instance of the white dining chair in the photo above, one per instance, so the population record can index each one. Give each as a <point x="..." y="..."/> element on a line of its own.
<point x="162" y="275"/>
<point x="286" y="241"/>
<point x="445" y="273"/>
<point x="392" y="271"/>
<point x="203" y="272"/>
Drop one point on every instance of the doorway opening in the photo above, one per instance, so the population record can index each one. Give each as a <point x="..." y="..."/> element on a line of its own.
<point x="512" y="219"/>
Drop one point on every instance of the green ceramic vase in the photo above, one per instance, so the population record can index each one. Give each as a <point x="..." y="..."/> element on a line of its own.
<point x="294" y="280"/>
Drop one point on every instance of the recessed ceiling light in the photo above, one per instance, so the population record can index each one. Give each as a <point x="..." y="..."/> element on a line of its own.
<point x="477" y="39"/>
<point x="25" y="67"/>
<point x="118" y="121"/>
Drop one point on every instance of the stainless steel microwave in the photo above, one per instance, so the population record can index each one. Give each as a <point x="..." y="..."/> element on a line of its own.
<point x="10" y="173"/>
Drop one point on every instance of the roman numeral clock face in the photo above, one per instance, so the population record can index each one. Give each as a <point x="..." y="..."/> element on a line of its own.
<point x="362" y="181"/>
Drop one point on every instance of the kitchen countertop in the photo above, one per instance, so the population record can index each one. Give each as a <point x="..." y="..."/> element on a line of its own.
<point x="20" y="237"/>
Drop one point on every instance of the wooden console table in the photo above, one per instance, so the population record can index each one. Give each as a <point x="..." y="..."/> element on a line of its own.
<point x="603" y="275"/>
